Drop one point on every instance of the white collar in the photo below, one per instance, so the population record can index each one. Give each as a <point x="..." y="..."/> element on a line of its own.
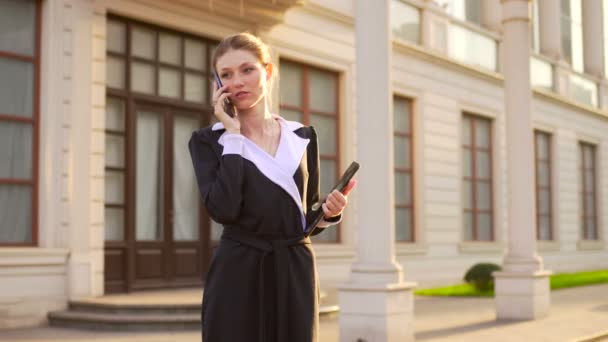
<point x="292" y="125"/>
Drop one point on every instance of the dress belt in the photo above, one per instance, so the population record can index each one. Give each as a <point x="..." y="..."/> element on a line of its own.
<point x="280" y="248"/>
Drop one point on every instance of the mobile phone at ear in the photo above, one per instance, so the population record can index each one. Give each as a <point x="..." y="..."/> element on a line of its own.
<point x="228" y="105"/>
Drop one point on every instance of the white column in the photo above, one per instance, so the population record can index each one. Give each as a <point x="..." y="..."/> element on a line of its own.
<point x="549" y="14"/>
<point x="593" y="45"/>
<point x="491" y="19"/>
<point x="522" y="287"/>
<point x="491" y="15"/>
<point x="550" y="34"/>
<point x="86" y="251"/>
<point x="375" y="305"/>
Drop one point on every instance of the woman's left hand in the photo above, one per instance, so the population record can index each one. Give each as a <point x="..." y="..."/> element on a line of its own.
<point x="336" y="201"/>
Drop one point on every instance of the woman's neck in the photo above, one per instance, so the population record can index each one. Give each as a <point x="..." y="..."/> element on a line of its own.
<point x="256" y="121"/>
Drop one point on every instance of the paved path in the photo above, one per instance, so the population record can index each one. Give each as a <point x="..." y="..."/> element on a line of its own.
<point x="575" y="313"/>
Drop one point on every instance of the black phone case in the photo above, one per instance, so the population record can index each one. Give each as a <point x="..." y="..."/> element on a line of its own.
<point x="340" y="185"/>
<point x="227" y="105"/>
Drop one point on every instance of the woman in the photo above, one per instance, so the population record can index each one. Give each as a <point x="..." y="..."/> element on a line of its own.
<point x="258" y="175"/>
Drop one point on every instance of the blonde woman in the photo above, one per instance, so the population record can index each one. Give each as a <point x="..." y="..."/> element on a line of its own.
<point x="258" y="176"/>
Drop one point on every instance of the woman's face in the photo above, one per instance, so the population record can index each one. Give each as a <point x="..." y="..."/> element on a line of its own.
<point x="244" y="77"/>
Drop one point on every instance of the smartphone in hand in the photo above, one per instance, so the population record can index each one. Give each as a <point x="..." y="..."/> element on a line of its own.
<point x="318" y="213"/>
<point x="228" y="106"/>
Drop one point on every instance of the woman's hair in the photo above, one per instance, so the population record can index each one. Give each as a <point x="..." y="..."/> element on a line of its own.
<point x="243" y="41"/>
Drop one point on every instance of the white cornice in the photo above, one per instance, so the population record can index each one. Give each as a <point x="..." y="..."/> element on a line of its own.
<point x="32" y="256"/>
<point x="444" y="61"/>
<point x="564" y="101"/>
<point x="328" y="13"/>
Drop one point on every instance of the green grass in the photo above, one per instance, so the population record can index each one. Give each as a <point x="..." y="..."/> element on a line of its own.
<point x="558" y="281"/>
<point x="461" y="290"/>
<point x="564" y="280"/>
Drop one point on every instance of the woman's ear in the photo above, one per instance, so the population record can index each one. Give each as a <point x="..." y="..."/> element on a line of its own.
<point x="269" y="71"/>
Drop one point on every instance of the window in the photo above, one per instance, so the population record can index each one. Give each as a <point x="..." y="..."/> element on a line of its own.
<point x="403" y="144"/>
<point x="572" y="33"/>
<point x="19" y="92"/>
<point x="405" y="21"/>
<point x="115" y="181"/>
<point x="310" y="95"/>
<point x="148" y="66"/>
<point x="477" y="178"/>
<point x="468" y="10"/>
<point x="157" y="62"/>
<point x="544" y="210"/>
<point x="588" y="192"/>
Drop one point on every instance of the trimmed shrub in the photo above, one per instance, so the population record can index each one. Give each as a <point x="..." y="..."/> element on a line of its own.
<point x="480" y="276"/>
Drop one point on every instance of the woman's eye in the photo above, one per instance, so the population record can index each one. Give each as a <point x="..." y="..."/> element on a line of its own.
<point x="248" y="69"/>
<point x="222" y="76"/>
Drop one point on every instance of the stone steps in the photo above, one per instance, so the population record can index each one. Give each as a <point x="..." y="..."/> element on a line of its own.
<point x="138" y="317"/>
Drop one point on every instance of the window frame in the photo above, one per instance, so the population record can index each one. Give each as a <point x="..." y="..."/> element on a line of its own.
<point x="474" y="180"/>
<point x="583" y="180"/>
<point x="408" y="171"/>
<point x="131" y="99"/>
<point x="307" y="111"/>
<point x="538" y="187"/>
<point x="35" y="122"/>
<point x="129" y="59"/>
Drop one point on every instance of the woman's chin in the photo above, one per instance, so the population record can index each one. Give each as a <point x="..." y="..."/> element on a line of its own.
<point x="246" y="106"/>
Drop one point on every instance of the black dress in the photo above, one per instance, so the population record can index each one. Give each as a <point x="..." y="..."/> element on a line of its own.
<point x="262" y="285"/>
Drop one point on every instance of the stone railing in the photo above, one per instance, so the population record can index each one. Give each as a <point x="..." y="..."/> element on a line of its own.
<point x="423" y="23"/>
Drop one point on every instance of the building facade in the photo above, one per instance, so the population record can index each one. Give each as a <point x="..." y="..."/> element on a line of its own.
<point x="98" y="99"/>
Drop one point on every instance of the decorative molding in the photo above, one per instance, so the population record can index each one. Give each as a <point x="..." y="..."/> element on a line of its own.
<point x="32" y="256"/>
<point x="439" y="59"/>
<point x="548" y="246"/>
<point x="415" y="248"/>
<point x="565" y="101"/>
<point x="474" y="247"/>
<point x="590" y="245"/>
<point x="328" y="13"/>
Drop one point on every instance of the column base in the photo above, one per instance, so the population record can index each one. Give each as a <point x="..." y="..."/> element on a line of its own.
<point x="522" y="295"/>
<point x="377" y="312"/>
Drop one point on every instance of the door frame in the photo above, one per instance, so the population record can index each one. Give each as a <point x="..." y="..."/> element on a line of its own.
<point x="167" y="109"/>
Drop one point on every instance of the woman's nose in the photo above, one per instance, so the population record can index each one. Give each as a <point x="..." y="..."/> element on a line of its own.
<point x="237" y="81"/>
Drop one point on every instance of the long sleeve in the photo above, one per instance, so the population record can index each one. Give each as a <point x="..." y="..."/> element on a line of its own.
<point x="219" y="181"/>
<point x="313" y="190"/>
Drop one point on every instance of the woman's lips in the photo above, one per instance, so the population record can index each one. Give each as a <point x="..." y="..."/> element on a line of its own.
<point x="241" y="95"/>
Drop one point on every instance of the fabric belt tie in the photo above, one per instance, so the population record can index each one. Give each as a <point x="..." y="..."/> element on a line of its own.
<point x="280" y="248"/>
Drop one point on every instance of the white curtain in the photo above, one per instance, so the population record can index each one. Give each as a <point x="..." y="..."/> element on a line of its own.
<point x="15" y="213"/>
<point x="15" y="150"/>
<point x="185" y="190"/>
<point x="15" y="200"/>
<point x="148" y="177"/>
<point x="16" y="87"/>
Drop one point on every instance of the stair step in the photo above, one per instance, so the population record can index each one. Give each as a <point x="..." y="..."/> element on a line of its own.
<point x="139" y="309"/>
<point x="124" y="322"/>
<point x="138" y="317"/>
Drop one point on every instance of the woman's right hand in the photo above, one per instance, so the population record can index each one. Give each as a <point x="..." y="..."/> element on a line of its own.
<point x="232" y="125"/>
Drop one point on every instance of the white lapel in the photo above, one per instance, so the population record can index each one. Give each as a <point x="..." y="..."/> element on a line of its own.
<point x="279" y="169"/>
